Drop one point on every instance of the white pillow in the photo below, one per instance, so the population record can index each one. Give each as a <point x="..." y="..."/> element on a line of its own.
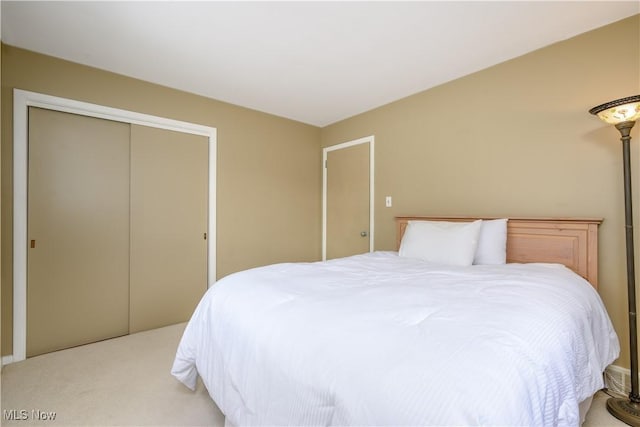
<point x="492" y="245"/>
<point x="442" y="242"/>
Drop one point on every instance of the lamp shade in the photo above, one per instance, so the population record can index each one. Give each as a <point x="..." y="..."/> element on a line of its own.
<point x="618" y="111"/>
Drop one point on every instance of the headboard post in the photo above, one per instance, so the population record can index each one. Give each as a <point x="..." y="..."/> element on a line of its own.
<point x="572" y="242"/>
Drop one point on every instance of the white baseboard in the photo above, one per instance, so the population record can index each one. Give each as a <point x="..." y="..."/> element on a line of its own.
<point x="617" y="380"/>
<point x="7" y="359"/>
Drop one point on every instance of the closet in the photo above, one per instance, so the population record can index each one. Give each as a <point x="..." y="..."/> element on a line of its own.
<point x="116" y="222"/>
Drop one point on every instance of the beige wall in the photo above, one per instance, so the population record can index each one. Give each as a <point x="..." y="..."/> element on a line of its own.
<point x="516" y="139"/>
<point x="268" y="177"/>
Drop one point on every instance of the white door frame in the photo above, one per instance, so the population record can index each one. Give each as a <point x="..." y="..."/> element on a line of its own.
<point x="371" y="141"/>
<point x="22" y="100"/>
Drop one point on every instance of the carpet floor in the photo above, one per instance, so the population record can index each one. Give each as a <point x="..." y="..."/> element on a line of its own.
<point x="126" y="382"/>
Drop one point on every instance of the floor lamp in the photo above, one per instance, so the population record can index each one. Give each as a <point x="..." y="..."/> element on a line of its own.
<point x="623" y="113"/>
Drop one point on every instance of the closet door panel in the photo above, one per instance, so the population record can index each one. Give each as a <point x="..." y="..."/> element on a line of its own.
<point x="169" y="196"/>
<point x="78" y="226"/>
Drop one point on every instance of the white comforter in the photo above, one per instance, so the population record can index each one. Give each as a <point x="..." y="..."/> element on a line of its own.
<point x="377" y="339"/>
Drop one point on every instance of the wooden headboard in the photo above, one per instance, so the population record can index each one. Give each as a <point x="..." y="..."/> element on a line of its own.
<point x="569" y="241"/>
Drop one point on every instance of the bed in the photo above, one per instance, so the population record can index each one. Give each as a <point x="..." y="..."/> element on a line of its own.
<point x="394" y="338"/>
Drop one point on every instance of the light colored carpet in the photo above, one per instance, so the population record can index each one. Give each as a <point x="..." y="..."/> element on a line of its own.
<point x="126" y="382"/>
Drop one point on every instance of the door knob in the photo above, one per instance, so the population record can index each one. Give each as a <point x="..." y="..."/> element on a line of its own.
<point x="363" y="234"/>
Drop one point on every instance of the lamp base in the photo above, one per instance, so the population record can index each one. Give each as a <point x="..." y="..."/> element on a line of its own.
<point x="624" y="410"/>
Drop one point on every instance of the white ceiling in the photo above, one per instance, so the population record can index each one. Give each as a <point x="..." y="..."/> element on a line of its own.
<point x="315" y="62"/>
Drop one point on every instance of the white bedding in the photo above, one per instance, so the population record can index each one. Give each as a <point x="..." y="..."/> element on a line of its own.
<point x="377" y="339"/>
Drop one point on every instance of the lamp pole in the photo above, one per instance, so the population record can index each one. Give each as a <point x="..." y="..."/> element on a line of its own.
<point x="625" y="132"/>
<point x="623" y="113"/>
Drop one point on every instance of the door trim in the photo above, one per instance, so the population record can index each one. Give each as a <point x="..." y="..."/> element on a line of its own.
<point x="371" y="141"/>
<point x="22" y="100"/>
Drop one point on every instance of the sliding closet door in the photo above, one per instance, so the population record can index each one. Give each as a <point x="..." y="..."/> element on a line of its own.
<point x="78" y="226"/>
<point x="169" y="194"/>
